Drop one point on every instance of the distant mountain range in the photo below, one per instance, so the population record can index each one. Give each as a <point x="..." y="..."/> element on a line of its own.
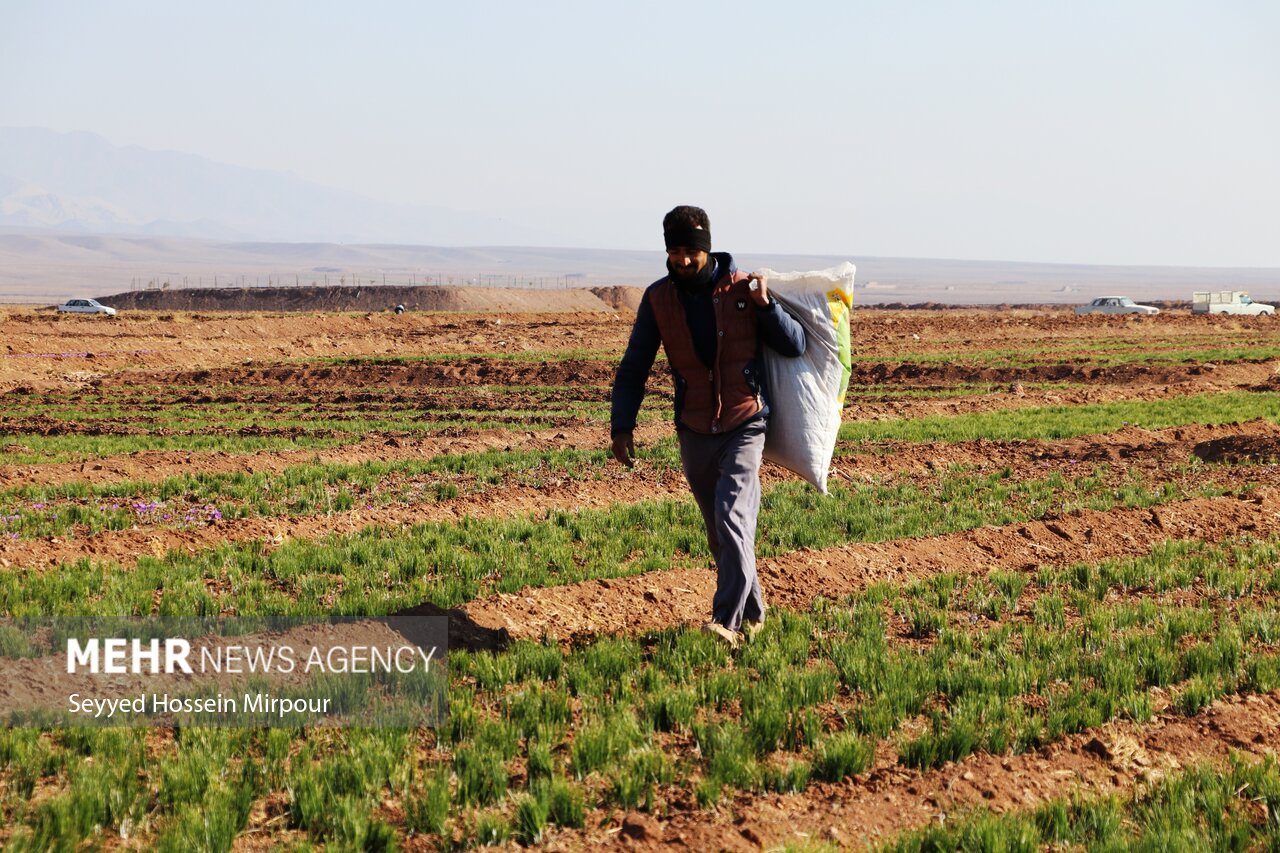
<point x="82" y="217"/>
<point x="36" y="265"/>
<point x="80" y="183"/>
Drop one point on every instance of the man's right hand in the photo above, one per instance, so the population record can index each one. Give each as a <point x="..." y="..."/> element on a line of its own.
<point x="624" y="448"/>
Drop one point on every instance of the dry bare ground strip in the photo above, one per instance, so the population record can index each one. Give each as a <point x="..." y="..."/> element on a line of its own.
<point x="154" y="466"/>
<point x="1116" y="758"/>
<point x="52" y="352"/>
<point x="41" y="351"/>
<point x="483" y="370"/>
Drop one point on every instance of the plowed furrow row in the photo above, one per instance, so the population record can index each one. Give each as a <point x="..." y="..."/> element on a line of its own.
<point x="126" y="546"/>
<point x="1150" y="451"/>
<point x="156" y="465"/>
<point x="657" y="600"/>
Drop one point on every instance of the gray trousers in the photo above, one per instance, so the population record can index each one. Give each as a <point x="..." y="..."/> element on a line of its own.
<point x="724" y="473"/>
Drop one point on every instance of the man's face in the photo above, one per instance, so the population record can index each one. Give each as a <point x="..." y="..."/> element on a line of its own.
<point x="686" y="263"/>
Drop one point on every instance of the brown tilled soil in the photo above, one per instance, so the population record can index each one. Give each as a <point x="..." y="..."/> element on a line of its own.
<point x="44" y="350"/>
<point x="909" y="364"/>
<point x="39" y="350"/>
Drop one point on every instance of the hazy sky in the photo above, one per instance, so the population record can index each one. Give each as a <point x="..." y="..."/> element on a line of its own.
<point x="1095" y="132"/>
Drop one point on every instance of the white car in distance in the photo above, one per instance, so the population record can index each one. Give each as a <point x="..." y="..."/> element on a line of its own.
<point x="85" y="306"/>
<point x="1116" y="305"/>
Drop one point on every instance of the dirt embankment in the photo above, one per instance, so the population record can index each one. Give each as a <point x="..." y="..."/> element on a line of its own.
<point x="378" y="298"/>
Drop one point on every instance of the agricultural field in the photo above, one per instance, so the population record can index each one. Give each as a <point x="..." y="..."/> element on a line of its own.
<point x="1040" y="608"/>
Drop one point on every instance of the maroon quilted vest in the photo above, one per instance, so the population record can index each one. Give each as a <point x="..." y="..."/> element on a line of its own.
<point x="716" y="400"/>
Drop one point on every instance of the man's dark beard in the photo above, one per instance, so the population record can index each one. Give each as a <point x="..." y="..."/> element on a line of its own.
<point x="692" y="280"/>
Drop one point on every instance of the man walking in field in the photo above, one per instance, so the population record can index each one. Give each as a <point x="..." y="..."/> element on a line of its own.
<point x="712" y="320"/>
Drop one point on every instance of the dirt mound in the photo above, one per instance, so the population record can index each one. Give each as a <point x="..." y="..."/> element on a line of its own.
<point x="1239" y="448"/>
<point x="372" y="298"/>
<point x="1171" y="445"/>
<point x="620" y="298"/>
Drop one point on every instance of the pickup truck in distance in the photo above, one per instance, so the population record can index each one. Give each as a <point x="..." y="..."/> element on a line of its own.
<point x="1227" y="302"/>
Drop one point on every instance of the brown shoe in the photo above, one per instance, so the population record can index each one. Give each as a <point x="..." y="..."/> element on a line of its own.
<point x="716" y="629"/>
<point x="752" y="629"/>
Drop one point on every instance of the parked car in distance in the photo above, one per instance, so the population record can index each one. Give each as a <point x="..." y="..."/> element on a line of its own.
<point x="1116" y="305"/>
<point x="85" y="306"/>
<point x="1227" y="302"/>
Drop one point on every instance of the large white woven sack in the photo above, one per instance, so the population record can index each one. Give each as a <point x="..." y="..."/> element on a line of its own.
<point x="806" y="393"/>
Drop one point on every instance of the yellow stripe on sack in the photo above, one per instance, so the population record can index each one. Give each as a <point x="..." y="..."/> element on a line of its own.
<point x="840" y="304"/>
